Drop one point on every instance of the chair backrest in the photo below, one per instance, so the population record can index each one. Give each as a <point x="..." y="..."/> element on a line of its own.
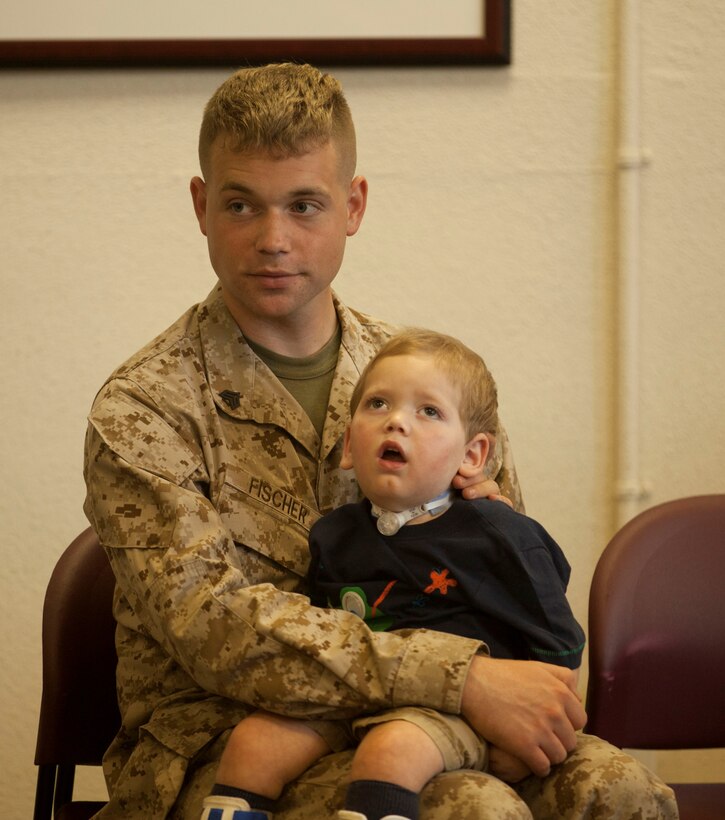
<point x="657" y="629"/>
<point x="79" y="712"/>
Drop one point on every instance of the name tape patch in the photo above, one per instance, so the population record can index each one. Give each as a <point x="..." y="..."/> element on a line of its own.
<point x="280" y="500"/>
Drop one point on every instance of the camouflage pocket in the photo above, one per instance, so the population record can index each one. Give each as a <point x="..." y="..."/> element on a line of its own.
<point x="268" y="523"/>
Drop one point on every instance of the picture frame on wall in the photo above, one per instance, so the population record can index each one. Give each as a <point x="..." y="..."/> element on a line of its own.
<point x="187" y="33"/>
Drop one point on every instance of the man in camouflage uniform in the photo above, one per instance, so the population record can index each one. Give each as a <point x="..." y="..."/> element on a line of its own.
<point x="204" y="476"/>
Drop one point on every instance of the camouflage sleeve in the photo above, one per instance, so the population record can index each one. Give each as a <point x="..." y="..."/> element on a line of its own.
<point x="190" y="590"/>
<point x="502" y="469"/>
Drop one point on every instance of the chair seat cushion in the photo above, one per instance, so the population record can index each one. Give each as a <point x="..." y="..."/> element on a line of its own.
<point x="79" y="810"/>
<point x="700" y="801"/>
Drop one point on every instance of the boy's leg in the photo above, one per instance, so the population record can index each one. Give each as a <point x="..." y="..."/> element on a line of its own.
<point x="400" y="751"/>
<point x="264" y="753"/>
<point x="393" y="762"/>
<point x="458" y="745"/>
<point x="320" y="792"/>
<point x="397" y="752"/>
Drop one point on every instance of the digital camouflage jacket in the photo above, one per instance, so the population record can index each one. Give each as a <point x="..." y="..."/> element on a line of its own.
<point x="203" y="479"/>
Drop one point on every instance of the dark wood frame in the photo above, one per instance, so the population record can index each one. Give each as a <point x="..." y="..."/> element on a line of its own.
<point x="492" y="49"/>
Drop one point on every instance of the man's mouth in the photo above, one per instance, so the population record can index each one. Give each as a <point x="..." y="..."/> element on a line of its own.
<point x="274" y="279"/>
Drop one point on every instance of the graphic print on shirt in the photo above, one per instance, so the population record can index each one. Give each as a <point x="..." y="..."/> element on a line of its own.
<point x="354" y="599"/>
<point x="440" y="582"/>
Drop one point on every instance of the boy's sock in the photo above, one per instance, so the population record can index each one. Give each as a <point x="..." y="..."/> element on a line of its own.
<point x="376" y="799"/>
<point x="256" y="801"/>
<point x="229" y="803"/>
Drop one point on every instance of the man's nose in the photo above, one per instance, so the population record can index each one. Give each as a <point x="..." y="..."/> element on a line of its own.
<point x="272" y="236"/>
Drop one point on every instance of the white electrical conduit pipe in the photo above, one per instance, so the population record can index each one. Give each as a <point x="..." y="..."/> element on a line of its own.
<point x="629" y="489"/>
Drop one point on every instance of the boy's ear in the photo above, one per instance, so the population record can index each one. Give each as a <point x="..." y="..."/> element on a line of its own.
<point x="346" y="460"/>
<point x="475" y="455"/>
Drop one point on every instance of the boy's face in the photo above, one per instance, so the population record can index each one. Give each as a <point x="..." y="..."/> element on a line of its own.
<point x="276" y="230"/>
<point x="406" y="439"/>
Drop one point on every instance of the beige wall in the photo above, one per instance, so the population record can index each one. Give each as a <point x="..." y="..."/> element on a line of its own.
<point x="492" y="216"/>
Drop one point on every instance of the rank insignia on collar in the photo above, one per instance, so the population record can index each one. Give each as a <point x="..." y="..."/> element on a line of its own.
<point x="230" y="398"/>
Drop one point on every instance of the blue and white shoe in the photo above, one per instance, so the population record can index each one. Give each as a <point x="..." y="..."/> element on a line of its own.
<point x="219" y="807"/>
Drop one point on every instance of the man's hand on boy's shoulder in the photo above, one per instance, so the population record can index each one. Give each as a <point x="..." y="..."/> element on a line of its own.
<point x="478" y="487"/>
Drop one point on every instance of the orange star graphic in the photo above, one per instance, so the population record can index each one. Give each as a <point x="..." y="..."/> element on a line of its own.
<point x="440" y="582"/>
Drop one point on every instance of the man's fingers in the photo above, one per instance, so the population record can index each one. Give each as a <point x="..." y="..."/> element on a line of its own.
<point x="575" y="712"/>
<point x="504" y="498"/>
<point x="474" y="487"/>
<point x="539" y="763"/>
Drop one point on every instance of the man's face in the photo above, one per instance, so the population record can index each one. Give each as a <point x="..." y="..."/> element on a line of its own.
<point x="406" y="440"/>
<point x="276" y="230"/>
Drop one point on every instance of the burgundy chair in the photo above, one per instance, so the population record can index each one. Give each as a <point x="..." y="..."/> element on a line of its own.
<point x="657" y="639"/>
<point x="78" y="712"/>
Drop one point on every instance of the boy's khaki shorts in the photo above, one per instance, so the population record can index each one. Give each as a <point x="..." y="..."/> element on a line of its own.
<point x="459" y="745"/>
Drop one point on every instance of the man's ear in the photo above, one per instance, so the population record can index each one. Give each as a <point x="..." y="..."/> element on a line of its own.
<point x="198" y="197"/>
<point x="346" y="460"/>
<point x="356" y="203"/>
<point x="475" y="455"/>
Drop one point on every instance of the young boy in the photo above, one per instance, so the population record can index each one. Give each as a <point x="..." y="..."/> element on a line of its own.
<point x="413" y="555"/>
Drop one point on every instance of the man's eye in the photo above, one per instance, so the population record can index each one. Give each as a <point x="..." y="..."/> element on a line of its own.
<point x="304" y="208"/>
<point x="238" y="207"/>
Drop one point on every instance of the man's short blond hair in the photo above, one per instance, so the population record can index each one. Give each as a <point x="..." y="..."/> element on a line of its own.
<point x="478" y="397"/>
<point x="282" y="109"/>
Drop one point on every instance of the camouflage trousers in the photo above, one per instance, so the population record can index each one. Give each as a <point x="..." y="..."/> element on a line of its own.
<point x="596" y="782"/>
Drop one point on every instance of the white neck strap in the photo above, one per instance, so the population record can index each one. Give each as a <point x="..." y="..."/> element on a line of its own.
<point x="390" y="522"/>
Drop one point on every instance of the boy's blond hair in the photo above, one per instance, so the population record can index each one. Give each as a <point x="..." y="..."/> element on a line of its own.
<point x="478" y="398"/>
<point x="282" y="109"/>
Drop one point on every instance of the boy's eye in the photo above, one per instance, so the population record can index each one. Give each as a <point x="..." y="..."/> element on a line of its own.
<point x="376" y="403"/>
<point x="431" y="412"/>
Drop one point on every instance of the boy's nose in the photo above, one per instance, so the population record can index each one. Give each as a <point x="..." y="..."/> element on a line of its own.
<point x="396" y="420"/>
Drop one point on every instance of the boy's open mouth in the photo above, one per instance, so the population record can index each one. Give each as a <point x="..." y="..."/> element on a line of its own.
<point x="391" y="452"/>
